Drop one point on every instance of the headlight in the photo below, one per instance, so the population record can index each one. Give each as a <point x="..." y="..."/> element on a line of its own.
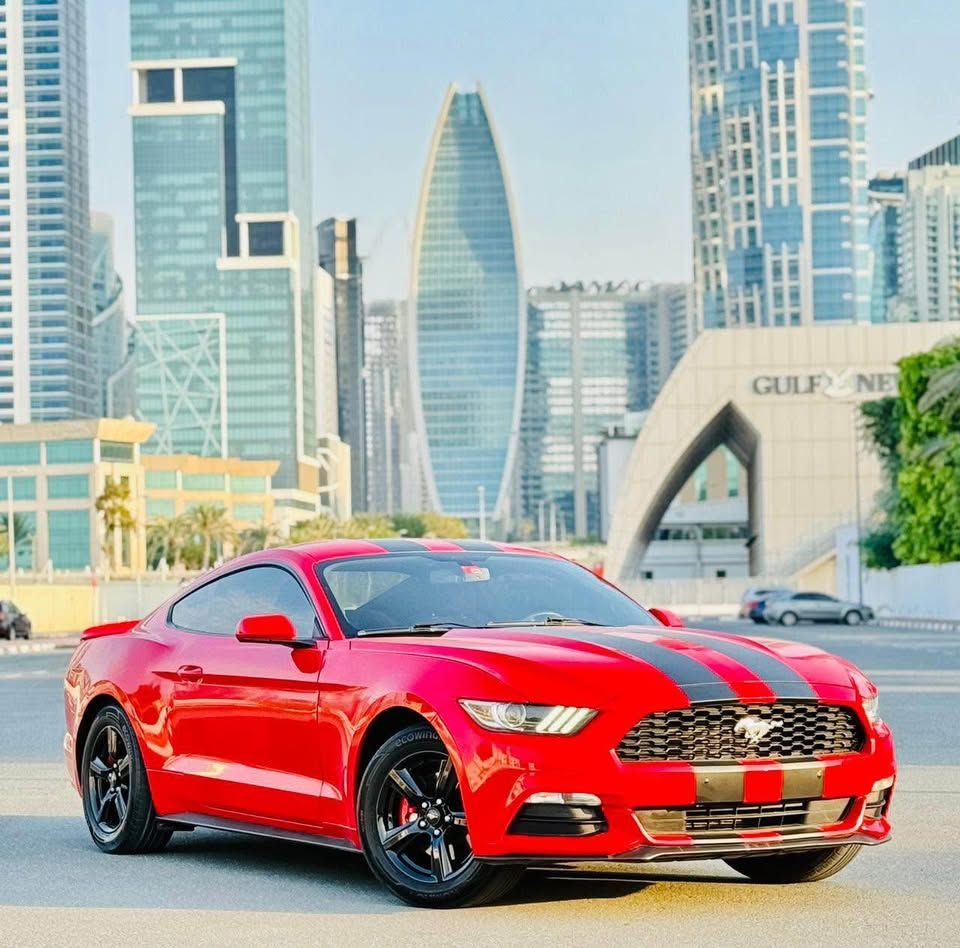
<point x="871" y="708"/>
<point x="527" y="718"/>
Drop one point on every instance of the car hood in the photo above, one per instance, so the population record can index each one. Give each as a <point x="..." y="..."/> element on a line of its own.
<point x="699" y="665"/>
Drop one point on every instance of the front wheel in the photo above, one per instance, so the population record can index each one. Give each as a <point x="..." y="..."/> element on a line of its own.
<point x="853" y="617"/>
<point x="116" y="798"/>
<point x="414" y="829"/>
<point x="794" y="867"/>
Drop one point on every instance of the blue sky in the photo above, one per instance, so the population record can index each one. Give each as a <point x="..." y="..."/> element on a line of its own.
<point x="590" y="99"/>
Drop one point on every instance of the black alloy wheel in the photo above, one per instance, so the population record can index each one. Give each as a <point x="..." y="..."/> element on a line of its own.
<point x="116" y="796"/>
<point x="414" y="828"/>
<point x="108" y="779"/>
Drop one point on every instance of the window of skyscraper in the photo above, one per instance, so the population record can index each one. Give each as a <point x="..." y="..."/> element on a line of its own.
<point x="265" y="238"/>
<point x="159" y="85"/>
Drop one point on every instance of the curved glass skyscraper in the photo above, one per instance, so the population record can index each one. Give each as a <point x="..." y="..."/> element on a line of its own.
<point x="467" y="331"/>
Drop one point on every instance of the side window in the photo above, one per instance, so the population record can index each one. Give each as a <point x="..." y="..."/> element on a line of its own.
<point x="260" y="590"/>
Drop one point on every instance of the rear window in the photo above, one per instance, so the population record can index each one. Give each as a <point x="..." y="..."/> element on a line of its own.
<point x="473" y="589"/>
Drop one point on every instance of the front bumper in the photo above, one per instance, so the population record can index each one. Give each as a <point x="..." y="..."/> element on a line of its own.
<point x="504" y="771"/>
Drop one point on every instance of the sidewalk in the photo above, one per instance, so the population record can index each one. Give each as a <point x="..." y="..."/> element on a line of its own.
<point x="41" y="643"/>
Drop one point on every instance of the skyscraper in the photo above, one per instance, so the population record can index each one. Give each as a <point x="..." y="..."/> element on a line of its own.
<point x="112" y="334"/>
<point x="337" y="254"/>
<point x="386" y="408"/>
<point x="466" y="304"/>
<point x="778" y="120"/>
<point x="46" y="365"/>
<point x="224" y="242"/>
<point x="595" y="352"/>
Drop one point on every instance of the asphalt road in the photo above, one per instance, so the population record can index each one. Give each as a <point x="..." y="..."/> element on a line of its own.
<point x="209" y="888"/>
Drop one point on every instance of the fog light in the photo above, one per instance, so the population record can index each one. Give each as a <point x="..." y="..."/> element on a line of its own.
<point x="565" y="799"/>
<point x="884" y="784"/>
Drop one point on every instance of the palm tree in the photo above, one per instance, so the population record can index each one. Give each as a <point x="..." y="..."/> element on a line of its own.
<point x="165" y="539"/>
<point x="212" y="525"/>
<point x="113" y="505"/>
<point x="323" y="527"/>
<point x="23" y="531"/>
<point x="253" y="539"/>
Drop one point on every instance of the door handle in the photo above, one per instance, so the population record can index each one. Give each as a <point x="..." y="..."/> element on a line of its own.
<point x="190" y="673"/>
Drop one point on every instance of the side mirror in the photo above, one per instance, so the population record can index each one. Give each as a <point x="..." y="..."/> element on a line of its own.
<point x="667" y="618"/>
<point x="268" y="628"/>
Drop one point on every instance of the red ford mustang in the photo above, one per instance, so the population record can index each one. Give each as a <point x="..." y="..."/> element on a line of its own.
<point x="457" y="711"/>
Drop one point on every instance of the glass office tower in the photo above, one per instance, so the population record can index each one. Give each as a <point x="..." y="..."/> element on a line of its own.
<point x="46" y="364"/>
<point x="778" y="121"/>
<point x="595" y="352"/>
<point x="466" y="304"/>
<point x="224" y="245"/>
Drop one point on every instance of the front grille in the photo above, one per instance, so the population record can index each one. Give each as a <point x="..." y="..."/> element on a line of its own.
<point x="721" y="819"/>
<point x="708" y="733"/>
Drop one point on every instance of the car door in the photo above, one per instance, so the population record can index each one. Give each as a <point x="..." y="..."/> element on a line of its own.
<point x="803" y="605"/>
<point x="243" y="715"/>
<point x="828" y="608"/>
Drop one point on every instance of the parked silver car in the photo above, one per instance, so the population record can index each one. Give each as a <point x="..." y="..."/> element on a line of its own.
<point x="815" y="607"/>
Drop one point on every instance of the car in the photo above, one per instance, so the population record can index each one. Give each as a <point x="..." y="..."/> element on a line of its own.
<point x="14" y="624"/>
<point x="815" y="607"/>
<point x="755" y="599"/>
<point x="459" y="710"/>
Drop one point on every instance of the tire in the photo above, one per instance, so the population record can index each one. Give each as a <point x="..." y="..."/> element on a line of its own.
<point x="430" y="863"/>
<point x="119" y="823"/>
<point x="788" y="618"/>
<point x="853" y="617"/>
<point x="788" y="868"/>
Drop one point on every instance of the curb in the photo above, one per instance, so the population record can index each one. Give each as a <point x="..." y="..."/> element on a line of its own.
<point x="37" y="646"/>
<point x="931" y="625"/>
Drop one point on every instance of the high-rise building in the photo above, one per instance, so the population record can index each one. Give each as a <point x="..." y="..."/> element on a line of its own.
<point x="112" y="334"/>
<point x="225" y="256"/>
<point x="887" y="193"/>
<point x="337" y="249"/>
<point x="779" y="115"/>
<point x="946" y="153"/>
<point x="466" y="338"/>
<point x="928" y="246"/>
<point x="594" y="353"/>
<point x="46" y="364"/>
<point x="386" y="409"/>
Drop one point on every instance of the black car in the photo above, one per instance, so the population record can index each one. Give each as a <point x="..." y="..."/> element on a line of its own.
<point x="14" y="624"/>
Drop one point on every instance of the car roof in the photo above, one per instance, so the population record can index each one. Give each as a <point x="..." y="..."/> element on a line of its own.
<point x="335" y="549"/>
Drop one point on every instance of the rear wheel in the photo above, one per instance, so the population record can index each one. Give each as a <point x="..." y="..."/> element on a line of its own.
<point x="788" y="618"/>
<point x="414" y="829"/>
<point x="116" y="797"/>
<point x="794" y="867"/>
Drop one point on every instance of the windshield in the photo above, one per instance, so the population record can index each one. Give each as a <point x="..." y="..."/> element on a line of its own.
<point x="399" y="591"/>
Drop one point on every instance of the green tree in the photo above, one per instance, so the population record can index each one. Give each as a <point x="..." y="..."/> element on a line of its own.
<point x="928" y="481"/>
<point x="322" y="527"/>
<point x="440" y="525"/>
<point x="408" y="525"/>
<point x="254" y="539"/>
<point x="881" y="425"/>
<point x="211" y="526"/>
<point x="113" y="505"/>
<point x="165" y="539"/>
<point x="23" y="531"/>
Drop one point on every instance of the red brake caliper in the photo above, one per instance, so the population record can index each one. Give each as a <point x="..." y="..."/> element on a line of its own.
<point x="406" y="808"/>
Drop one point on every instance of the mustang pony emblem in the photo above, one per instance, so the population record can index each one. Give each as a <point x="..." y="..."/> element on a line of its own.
<point x="755" y="729"/>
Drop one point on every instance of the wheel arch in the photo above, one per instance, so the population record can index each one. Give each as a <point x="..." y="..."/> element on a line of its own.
<point x="93" y="708"/>
<point x="387" y="721"/>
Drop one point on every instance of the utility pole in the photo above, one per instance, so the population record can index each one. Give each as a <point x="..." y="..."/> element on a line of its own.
<point x="857" y="429"/>
<point x="11" y="538"/>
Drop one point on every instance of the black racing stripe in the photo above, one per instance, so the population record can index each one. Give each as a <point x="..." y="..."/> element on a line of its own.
<point x="777" y="675"/>
<point x="477" y="546"/>
<point x="692" y="677"/>
<point x="400" y="546"/>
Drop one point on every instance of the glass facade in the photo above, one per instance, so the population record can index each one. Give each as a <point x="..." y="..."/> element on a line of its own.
<point x="45" y="301"/>
<point x="779" y="115"/>
<point x="337" y="249"/>
<point x="224" y="250"/>
<point x="594" y="352"/>
<point x="112" y="334"/>
<point x="466" y="301"/>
